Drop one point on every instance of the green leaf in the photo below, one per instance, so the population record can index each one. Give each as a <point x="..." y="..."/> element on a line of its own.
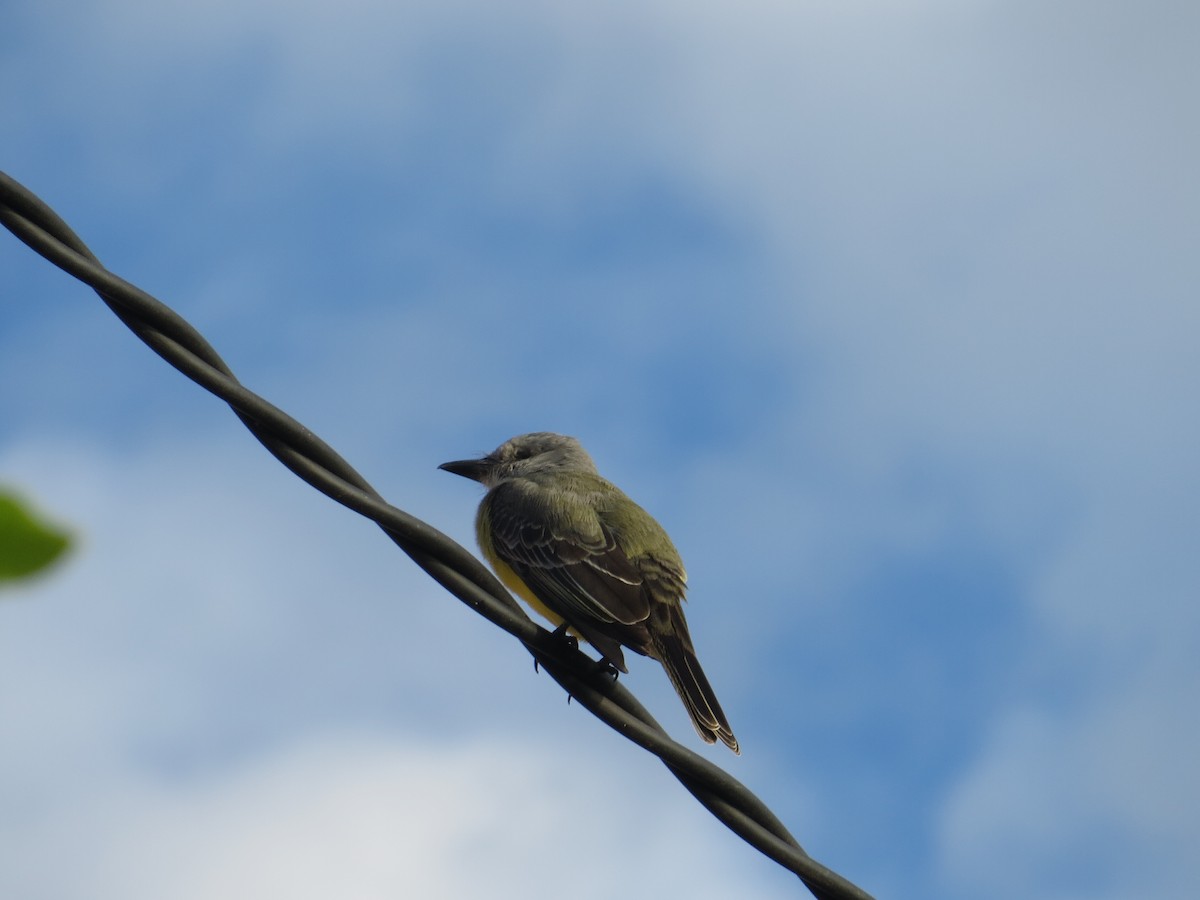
<point x="28" y="544"/>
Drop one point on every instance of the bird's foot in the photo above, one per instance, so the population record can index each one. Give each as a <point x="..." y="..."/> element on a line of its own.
<point x="605" y="666"/>
<point x="562" y="634"/>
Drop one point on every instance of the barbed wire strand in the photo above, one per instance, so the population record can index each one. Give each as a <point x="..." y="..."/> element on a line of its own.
<point x="446" y="561"/>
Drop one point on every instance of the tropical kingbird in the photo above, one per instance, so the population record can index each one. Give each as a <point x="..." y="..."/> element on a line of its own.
<point x="586" y="557"/>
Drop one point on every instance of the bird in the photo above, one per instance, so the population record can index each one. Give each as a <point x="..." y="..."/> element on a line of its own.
<point x="590" y="560"/>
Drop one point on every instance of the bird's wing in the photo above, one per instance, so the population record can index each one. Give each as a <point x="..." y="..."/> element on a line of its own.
<point x="567" y="556"/>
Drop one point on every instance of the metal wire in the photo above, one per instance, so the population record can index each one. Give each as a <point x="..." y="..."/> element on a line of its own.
<point x="452" y="566"/>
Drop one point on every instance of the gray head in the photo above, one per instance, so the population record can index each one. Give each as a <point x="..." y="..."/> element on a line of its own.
<point x="526" y="454"/>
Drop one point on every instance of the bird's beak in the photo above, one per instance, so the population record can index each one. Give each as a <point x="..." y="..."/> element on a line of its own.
<point x="467" y="468"/>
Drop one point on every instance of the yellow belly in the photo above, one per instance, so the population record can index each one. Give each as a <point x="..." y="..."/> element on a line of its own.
<point x="513" y="582"/>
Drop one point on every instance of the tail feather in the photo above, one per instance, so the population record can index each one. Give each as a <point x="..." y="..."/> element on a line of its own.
<point x="674" y="650"/>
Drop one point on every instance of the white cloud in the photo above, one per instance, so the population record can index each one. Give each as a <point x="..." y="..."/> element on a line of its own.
<point x="379" y="816"/>
<point x="198" y="607"/>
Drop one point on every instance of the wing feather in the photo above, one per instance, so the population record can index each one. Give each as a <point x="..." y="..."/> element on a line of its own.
<point x="567" y="557"/>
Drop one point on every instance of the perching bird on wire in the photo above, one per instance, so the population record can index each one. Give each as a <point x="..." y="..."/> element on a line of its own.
<point x="584" y="555"/>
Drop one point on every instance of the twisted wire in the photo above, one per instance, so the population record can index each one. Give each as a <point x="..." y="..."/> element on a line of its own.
<point x="446" y="561"/>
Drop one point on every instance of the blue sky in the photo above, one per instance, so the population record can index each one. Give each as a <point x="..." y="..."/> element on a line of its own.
<point x="885" y="309"/>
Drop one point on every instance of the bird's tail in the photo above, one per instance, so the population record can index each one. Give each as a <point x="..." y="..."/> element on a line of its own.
<point x="673" y="648"/>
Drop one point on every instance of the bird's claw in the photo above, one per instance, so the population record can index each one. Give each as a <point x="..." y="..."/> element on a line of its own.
<point x="607" y="667"/>
<point x="562" y="634"/>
